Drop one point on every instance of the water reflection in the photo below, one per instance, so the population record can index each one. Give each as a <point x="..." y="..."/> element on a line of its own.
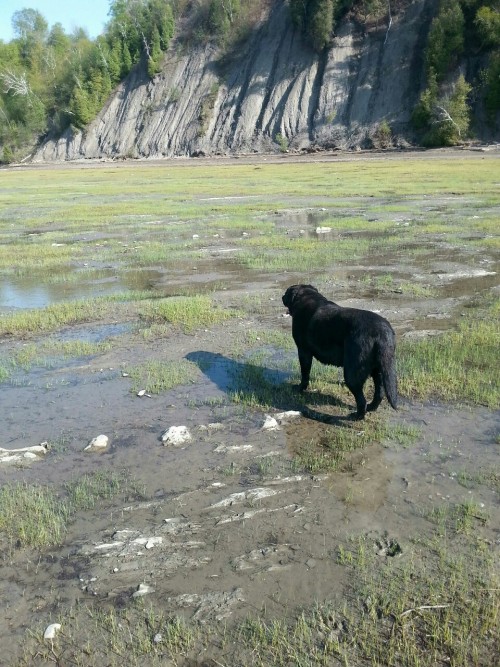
<point x="32" y="292"/>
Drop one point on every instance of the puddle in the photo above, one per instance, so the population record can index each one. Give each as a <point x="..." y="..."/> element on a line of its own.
<point x="95" y="333"/>
<point x="32" y="292"/>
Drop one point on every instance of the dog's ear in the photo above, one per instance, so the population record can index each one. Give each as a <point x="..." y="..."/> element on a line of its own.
<point x="290" y="295"/>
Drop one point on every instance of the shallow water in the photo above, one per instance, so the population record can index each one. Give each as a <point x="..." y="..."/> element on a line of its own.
<point x="26" y="292"/>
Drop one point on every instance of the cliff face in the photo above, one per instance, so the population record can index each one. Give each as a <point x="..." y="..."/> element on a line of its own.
<point x="277" y="93"/>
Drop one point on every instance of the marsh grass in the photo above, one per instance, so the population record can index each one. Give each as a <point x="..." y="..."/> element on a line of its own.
<point x="432" y="604"/>
<point x="156" y="376"/>
<point x="37" y="516"/>
<point x="279" y="253"/>
<point x="186" y="312"/>
<point x="458" y="517"/>
<point x="333" y="449"/>
<point x="53" y="317"/>
<point x="460" y="365"/>
<point x="96" y="635"/>
<point x="32" y="515"/>
<point x="387" y="283"/>
<point x="32" y="354"/>
<point x="436" y="605"/>
<point x="489" y="477"/>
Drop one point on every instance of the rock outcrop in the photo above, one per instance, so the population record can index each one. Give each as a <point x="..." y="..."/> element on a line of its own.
<point x="277" y="94"/>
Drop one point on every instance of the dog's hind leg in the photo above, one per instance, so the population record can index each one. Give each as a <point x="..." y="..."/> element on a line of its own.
<point x="377" y="396"/>
<point x="305" y="360"/>
<point x="355" y="384"/>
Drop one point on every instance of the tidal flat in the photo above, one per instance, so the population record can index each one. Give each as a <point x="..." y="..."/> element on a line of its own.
<point x="136" y="296"/>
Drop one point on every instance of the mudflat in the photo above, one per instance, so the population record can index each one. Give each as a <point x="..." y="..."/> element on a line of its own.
<point x="137" y="297"/>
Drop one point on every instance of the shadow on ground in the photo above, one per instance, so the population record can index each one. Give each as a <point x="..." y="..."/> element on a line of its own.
<point x="259" y="385"/>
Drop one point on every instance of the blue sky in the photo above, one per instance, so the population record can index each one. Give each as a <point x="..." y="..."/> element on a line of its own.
<point x="88" y="14"/>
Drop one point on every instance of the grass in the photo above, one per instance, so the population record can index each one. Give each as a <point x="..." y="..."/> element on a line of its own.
<point x="433" y="606"/>
<point x="43" y="353"/>
<point x="460" y="365"/>
<point x="156" y="376"/>
<point x="53" y="317"/>
<point x="333" y="449"/>
<point x="186" y="312"/>
<point x="36" y="516"/>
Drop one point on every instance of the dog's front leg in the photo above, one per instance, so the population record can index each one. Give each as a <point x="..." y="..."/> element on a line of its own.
<point x="305" y="360"/>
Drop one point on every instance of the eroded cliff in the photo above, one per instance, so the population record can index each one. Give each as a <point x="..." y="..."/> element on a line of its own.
<point x="276" y="94"/>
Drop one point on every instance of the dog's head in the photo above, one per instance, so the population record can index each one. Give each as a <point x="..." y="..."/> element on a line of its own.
<point x="293" y="293"/>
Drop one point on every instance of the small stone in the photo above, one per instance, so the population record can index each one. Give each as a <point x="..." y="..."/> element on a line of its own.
<point x="153" y="541"/>
<point x="97" y="444"/>
<point x="283" y="417"/>
<point x="270" y="424"/>
<point x="143" y="589"/>
<point x="176" y="436"/>
<point x="157" y="638"/>
<point x="51" y="630"/>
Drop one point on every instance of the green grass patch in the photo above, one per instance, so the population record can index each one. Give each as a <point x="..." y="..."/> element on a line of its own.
<point x="53" y="317"/>
<point x="36" y="516"/>
<point x="186" y="312"/>
<point x="156" y="376"/>
<point x="439" y="604"/>
<point x="460" y="365"/>
<point x="32" y="515"/>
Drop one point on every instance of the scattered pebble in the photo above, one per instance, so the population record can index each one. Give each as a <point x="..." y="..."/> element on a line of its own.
<point x="270" y="424"/>
<point x="51" y="630"/>
<point x="143" y="589"/>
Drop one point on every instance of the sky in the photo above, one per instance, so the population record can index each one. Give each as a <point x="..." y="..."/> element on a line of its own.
<point x="88" y="14"/>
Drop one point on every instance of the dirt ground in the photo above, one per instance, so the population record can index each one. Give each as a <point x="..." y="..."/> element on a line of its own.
<point x="228" y="527"/>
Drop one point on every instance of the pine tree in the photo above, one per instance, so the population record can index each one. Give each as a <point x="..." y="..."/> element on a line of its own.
<point x="155" y="53"/>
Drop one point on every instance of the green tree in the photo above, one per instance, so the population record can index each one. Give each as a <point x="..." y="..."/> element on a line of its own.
<point x="446" y="38"/>
<point x="155" y="53"/>
<point x="315" y="18"/>
<point x="492" y="81"/>
<point x="450" y="117"/>
<point x="422" y="113"/>
<point x="487" y="23"/>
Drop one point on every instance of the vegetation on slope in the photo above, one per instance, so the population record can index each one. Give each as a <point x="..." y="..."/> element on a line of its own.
<point x="460" y="28"/>
<point x="50" y="80"/>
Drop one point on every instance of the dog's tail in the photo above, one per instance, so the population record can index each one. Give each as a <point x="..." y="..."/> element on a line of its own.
<point x="388" y="369"/>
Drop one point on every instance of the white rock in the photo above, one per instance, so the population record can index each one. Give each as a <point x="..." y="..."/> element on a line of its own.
<point x="323" y="230"/>
<point x="143" y="589"/>
<point x="42" y="448"/>
<point x="99" y="443"/>
<point x="176" y="436"/>
<point x="283" y="417"/>
<point x="270" y="424"/>
<point x="51" y="630"/>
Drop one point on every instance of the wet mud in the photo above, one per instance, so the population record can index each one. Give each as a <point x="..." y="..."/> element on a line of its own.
<point x="226" y="526"/>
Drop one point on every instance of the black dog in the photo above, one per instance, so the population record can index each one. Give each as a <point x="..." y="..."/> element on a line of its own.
<point x="360" y="341"/>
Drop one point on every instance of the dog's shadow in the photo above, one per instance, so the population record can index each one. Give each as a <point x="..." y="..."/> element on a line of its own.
<point x="254" y="384"/>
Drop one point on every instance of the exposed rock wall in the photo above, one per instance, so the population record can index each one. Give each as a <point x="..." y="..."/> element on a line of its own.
<point x="276" y="86"/>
